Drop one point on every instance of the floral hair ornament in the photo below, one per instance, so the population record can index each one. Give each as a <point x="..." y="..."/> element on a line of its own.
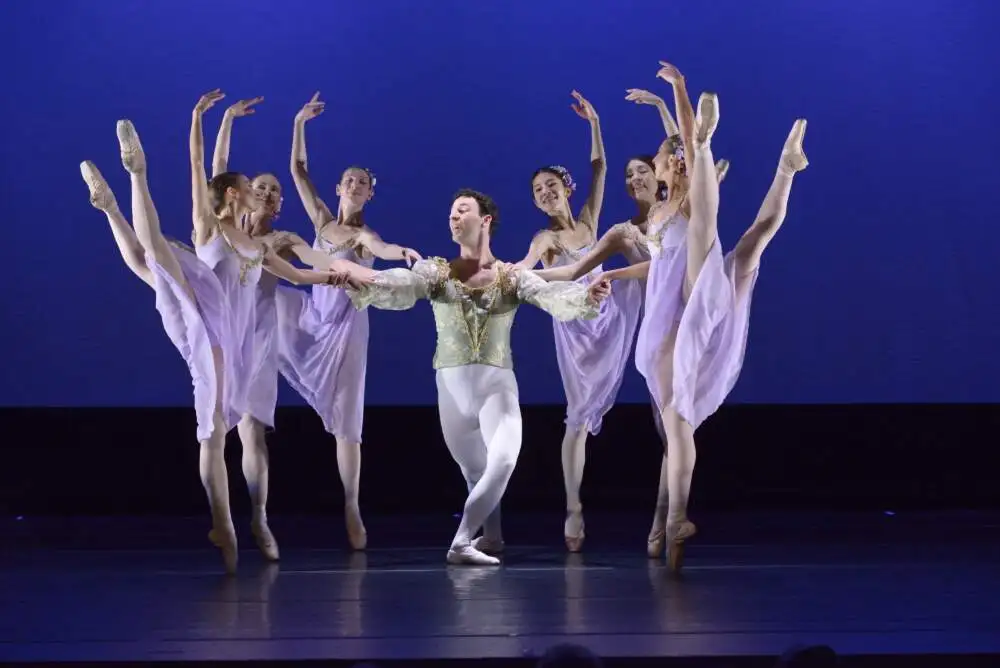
<point x="563" y="174"/>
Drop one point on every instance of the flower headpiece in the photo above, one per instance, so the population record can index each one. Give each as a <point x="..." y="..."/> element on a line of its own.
<point x="563" y="174"/>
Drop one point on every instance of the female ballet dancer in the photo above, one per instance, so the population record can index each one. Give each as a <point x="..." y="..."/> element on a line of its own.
<point x="693" y="335"/>
<point x="592" y="354"/>
<point x="628" y="239"/>
<point x="262" y="392"/>
<point x="202" y="298"/>
<point x="323" y="340"/>
<point x="691" y="369"/>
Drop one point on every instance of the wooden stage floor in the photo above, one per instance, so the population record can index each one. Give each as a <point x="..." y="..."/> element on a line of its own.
<point x="151" y="589"/>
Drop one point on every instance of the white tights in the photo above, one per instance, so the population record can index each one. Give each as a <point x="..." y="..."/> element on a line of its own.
<point x="481" y="422"/>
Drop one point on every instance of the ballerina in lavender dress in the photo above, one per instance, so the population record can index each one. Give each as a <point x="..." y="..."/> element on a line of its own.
<point x="693" y="335"/>
<point x="592" y="354"/>
<point x="627" y="239"/>
<point x="205" y="298"/>
<point x="262" y="392"/>
<point x="323" y="340"/>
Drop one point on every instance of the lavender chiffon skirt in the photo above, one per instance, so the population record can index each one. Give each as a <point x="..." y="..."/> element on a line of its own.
<point x="593" y="355"/>
<point x="322" y="351"/>
<point x="198" y="321"/>
<point x="698" y="347"/>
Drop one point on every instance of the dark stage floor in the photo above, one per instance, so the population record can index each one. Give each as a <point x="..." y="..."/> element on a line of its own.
<point x="134" y="589"/>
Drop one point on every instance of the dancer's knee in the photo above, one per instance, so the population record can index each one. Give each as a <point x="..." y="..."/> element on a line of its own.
<point x="472" y="474"/>
<point x="251" y="431"/>
<point x="345" y="444"/>
<point x="675" y="426"/>
<point x="503" y="460"/>
<point x="217" y="439"/>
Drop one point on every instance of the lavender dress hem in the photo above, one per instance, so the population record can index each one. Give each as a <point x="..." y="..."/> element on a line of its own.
<point x="709" y="331"/>
<point x="593" y="354"/>
<point x="322" y="349"/>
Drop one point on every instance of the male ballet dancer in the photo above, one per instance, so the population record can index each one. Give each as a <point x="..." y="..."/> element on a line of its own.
<point x="474" y="299"/>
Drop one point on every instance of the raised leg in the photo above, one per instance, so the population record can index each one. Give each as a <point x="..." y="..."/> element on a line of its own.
<point x="751" y="245"/>
<point x="255" y="470"/>
<point x="144" y="216"/>
<point x="703" y="193"/>
<point x="103" y="199"/>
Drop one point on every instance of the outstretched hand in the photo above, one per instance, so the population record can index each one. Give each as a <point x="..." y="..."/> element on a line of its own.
<point x="243" y="107"/>
<point x="669" y="73"/>
<point x="583" y="108"/>
<point x="599" y="290"/>
<point x="640" y="96"/>
<point x="208" y="100"/>
<point x="311" y="109"/>
<point x="411" y="256"/>
<point x="345" y="279"/>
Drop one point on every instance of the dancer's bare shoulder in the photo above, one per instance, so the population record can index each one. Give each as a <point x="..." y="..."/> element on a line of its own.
<point x="282" y="242"/>
<point x="624" y="233"/>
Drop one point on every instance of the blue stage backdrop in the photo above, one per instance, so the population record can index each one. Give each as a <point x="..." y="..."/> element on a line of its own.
<point x="880" y="287"/>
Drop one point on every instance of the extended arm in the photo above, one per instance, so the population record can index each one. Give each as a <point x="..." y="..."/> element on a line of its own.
<point x="563" y="300"/>
<point x="282" y="268"/>
<point x="289" y="244"/>
<point x="398" y="289"/>
<point x="682" y="104"/>
<point x="631" y="273"/>
<point x="591" y="212"/>
<point x="608" y="245"/>
<point x="640" y="96"/>
<point x="370" y="239"/>
<point x="202" y="213"/>
<point x="220" y="159"/>
<point x="319" y="212"/>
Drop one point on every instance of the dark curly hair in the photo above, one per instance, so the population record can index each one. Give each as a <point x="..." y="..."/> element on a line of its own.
<point x="487" y="207"/>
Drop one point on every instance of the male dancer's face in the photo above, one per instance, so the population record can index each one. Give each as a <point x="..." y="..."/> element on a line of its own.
<point x="467" y="225"/>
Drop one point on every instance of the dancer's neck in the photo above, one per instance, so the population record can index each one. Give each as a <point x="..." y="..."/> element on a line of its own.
<point x="479" y="253"/>
<point x="675" y="197"/>
<point x="643" y="214"/>
<point x="562" y="221"/>
<point x="260" y="224"/>
<point x="350" y="214"/>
